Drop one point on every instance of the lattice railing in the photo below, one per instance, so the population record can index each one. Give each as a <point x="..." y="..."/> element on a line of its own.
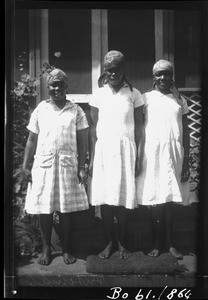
<point x="195" y="115"/>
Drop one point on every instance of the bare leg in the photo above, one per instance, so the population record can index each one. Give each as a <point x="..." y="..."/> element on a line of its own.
<point x="46" y="223"/>
<point x="106" y="253"/>
<point x="66" y="227"/>
<point x="156" y="222"/>
<point x="107" y="212"/>
<point x="169" y="231"/>
<point x="121" y="215"/>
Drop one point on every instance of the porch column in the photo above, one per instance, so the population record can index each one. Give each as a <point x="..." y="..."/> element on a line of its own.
<point x="38" y="22"/>
<point x="164" y="35"/>
<point x="99" y="43"/>
<point x="44" y="48"/>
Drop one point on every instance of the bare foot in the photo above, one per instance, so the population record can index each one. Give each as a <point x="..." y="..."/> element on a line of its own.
<point x="45" y="258"/>
<point x="175" y="253"/>
<point x="154" y="253"/>
<point x="106" y="253"/>
<point x="68" y="258"/>
<point x="124" y="253"/>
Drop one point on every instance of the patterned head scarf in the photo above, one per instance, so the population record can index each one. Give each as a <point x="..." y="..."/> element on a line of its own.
<point x="57" y="75"/>
<point x="113" y="59"/>
<point x="162" y="65"/>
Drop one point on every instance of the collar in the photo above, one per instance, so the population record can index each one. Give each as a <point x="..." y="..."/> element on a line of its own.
<point x="126" y="85"/>
<point x="68" y="103"/>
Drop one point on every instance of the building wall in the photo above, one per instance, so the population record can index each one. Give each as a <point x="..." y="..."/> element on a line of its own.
<point x="142" y="35"/>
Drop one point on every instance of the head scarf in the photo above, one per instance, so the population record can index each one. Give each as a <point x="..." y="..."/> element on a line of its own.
<point x="113" y="59"/>
<point x="165" y="65"/>
<point x="162" y="65"/>
<point x="57" y="75"/>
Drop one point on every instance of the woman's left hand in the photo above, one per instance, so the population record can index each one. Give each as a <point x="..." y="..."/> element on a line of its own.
<point x="138" y="167"/>
<point x="82" y="175"/>
<point x="185" y="170"/>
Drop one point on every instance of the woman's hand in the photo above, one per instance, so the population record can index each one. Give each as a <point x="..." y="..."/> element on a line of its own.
<point x="25" y="177"/>
<point x="138" y="167"/>
<point x="90" y="168"/>
<point x="185" y="170"/>
<point x="82" y="175"/>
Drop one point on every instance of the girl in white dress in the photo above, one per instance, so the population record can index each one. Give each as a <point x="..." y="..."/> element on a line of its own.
<point x="116" y="131"/>
<point x="165" y="174"/>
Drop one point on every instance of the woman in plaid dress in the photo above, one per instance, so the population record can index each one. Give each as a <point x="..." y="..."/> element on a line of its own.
<point x="116" y="131"/>
<point x="57" y="137"/>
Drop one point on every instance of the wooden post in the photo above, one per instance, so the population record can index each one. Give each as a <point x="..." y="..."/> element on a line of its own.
<point x="44" y="51"/>
<point x="32" y="43"/>
<point x="99" y="43"/>
<point x="104" y="34"/>
<point x="37" y="51"/>
<point x="158" y="35"/>
<point x="38" y="22"/>
<point x="164" y="35"/>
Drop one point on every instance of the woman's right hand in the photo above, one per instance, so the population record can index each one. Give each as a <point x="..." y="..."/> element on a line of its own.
<point x="26" y="175"/>
<point x="138" y="167"/>
<point x="90" y="170"/>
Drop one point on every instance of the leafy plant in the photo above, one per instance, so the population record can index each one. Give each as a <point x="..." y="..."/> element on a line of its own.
<point x="27" y="236"/>
<point x="195" y="165"/>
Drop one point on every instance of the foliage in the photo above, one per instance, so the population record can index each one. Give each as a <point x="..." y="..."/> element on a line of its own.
<point x="27" y="236"/>
<point x="26" y="88"/>
<point x="23" y="97"/>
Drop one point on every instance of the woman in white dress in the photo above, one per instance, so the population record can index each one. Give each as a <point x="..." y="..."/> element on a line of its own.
<point x="165" y="174"/>
<point x="116" y="131"/>
<point x="57" y="137"/>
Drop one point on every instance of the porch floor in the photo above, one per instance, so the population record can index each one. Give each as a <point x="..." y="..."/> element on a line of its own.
<point x="59" y="275"/>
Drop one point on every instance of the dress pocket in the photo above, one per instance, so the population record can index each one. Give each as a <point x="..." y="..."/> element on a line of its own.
<point x="67" y="160"/>
<point x="44" y="161"/>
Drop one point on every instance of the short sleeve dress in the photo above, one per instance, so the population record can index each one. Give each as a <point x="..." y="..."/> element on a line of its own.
<point x="113" y="180"/>
<point x="55" y="185"/>
<point x="160" y="180"/>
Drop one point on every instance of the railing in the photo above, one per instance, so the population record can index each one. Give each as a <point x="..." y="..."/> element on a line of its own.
<point x="193" y="98"/>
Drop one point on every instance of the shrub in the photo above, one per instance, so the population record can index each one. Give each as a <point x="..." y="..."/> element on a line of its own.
<point x="194" y="159"/>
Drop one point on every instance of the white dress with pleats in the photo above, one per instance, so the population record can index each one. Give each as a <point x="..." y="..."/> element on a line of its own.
<point x="113" y="180"/>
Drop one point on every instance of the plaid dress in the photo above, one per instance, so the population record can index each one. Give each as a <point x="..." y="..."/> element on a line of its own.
<point x="113" y="180"/>
<point x="55" y="185"/>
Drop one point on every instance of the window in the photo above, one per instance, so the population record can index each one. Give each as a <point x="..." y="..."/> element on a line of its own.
<point x="70" y="33"/>
<point x="132" y="32"/>
<point x="188" y="50"/>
